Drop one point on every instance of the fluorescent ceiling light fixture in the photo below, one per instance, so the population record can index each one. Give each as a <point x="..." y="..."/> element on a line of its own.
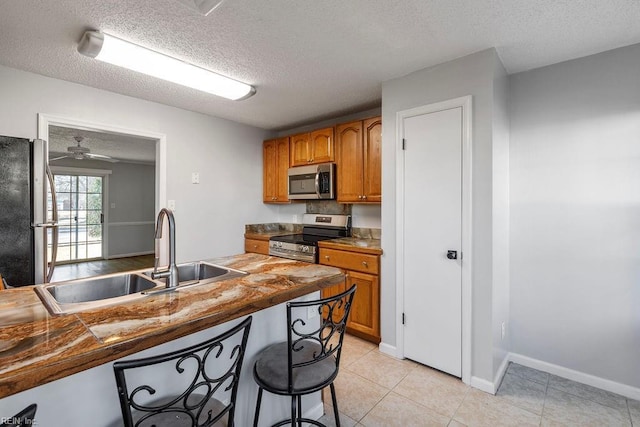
<point x="113" y="50"/>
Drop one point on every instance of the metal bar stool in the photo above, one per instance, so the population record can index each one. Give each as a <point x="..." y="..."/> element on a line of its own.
<point x="205" y="374"/>
<point x="309" y="360"/>
<point x="24" y="418"/>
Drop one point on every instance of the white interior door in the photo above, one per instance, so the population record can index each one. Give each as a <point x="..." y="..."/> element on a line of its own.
<point x="432" y="208"/>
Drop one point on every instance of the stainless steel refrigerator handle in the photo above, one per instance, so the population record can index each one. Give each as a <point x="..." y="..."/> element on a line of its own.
<point x="54" y="225"/>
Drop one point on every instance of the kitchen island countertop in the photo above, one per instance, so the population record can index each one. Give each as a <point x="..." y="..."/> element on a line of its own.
<point x="36" y="348"/>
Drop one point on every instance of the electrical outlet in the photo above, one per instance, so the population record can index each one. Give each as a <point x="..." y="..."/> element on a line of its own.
<point x="195" y="178"/>
<point x="503" y="330"/>
<point x="171" y="204"/>
<point x="312" y="312"/>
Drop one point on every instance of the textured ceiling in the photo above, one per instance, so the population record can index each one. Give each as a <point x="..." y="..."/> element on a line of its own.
<point x="308" y="59"/>
<point x="122" y="147"/>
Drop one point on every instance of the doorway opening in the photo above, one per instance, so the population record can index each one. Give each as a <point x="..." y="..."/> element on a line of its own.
<point x="109" y="182"/>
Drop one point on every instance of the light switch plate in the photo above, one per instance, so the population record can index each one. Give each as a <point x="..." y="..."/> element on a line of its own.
<point x="171" y="204"/>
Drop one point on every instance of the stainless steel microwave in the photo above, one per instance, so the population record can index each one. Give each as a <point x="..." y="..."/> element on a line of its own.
<point x="312" y="182"/>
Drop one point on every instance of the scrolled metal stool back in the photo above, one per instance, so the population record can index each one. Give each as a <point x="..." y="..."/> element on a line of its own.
<point x="326" y="339"/>
<point x="205" y="375"/>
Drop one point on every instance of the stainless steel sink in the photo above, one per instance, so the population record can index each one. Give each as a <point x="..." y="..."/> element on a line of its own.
<point x="83" y="294"/>
<point x="194" y="273"/>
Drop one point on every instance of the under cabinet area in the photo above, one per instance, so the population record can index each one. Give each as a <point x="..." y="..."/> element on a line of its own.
<point x="361" y="269"/>
<point x="275" y="157"/>
<point x="359" y="161"/>
<point x="312" y="148"/>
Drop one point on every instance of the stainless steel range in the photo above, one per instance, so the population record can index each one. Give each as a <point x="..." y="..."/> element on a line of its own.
<point x="317" y="227"/>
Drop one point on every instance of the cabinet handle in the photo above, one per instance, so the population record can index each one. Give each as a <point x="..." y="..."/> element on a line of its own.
<point x="364" y="197"/>
<point x="255" y="246"/>
<point x="326" y="257"/>
<point x="365" y="263"/>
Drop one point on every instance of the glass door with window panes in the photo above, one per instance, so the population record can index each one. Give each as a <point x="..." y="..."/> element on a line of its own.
<point x="80" y="217"/>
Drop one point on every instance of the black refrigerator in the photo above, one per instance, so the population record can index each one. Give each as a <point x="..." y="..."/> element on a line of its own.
<point x="28" y="217"/>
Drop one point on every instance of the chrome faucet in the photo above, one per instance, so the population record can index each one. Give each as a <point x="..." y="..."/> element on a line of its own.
<point x="171" y="272"/>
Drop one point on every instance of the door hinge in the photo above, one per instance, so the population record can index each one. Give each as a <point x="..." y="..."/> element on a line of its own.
<point x="403" y="318"/>
<point x="404" y="144"/>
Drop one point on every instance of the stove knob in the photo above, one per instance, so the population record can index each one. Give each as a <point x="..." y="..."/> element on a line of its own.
<point x="279" y="244"/>
<point x="305" y="249"/>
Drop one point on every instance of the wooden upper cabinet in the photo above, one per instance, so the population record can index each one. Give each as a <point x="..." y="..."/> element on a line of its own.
<point x="359" y="160"/>
<point x="349" y="159"/>
<point x="372" y="151"/>
<point x="275" y="157"/>
<point x="312" y="148"/>
<point x="300" y="149"/>
<point x="322" y="146"/>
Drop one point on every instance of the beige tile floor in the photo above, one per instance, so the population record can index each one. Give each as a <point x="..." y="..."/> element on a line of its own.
<point x="374" y="390"/>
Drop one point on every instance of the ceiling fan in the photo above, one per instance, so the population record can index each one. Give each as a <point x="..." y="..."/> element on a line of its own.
<point x="79" y="152"/>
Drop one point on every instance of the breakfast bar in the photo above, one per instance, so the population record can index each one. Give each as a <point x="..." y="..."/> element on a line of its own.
<point x="63" y="363"/>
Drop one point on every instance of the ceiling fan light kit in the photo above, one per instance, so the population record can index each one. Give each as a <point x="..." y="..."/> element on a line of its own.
<point x="113" y="50"/>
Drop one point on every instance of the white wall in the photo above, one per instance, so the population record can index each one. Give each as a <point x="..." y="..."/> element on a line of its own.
<point x="575" y="214"/>
<point x="210" y="216"/>
<point x="471" y="75"/>
<point x="500" y="223"/>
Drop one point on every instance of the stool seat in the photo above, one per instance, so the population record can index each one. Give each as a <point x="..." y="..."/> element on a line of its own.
<point x="179" y="417"/>
<point x="272" y="370"/>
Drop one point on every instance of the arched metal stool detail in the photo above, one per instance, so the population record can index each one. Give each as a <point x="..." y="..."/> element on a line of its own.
<point x="24" y="418"/>
<point x="309" y="360"/>
<point x="202" y="383"/>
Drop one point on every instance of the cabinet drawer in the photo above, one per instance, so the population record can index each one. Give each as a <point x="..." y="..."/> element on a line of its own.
<point x="349" y="260"/>
<point x="257" y="246"/>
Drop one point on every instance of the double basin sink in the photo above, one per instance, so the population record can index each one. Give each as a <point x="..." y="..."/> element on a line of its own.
<point x="94" y="292"/>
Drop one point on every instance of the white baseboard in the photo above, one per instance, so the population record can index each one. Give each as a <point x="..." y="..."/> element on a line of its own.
<point x="488" y="386"/>
<point x="581" y="377"/>
<point x="130" y="255"/>
<point x="482" y="384"/>
<point x="388" y="349"/>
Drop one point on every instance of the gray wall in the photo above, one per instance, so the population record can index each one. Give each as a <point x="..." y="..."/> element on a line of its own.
<point x="210" y="216"/>
<point x="472" y="75"/>
<point x="575" y="214"/>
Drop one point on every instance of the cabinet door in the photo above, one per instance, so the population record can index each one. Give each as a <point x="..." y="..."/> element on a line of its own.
<point x="338" y="312"/>
<point x="300" y="149"/>
<point x="322" y="146"/>
<point x="282" y="161"/>
<point x="372" y="160"/>
<point x="349" y="162"/>
<point x="269" y="171"/>
<point x="364" y="319"/>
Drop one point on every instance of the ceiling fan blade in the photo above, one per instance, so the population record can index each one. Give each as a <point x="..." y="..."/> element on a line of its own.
<point x="59" y="158"/>
<point x="101" y="157"/>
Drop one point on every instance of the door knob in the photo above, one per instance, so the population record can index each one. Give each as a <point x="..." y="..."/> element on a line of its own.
<point x="452" y="254"/>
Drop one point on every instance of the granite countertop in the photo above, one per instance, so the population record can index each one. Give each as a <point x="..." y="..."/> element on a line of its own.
<point x="36" y="348"/>
<point x="354" y="244"/>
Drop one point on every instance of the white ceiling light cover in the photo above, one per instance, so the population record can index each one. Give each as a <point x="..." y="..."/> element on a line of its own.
<point x="113" y="50"/>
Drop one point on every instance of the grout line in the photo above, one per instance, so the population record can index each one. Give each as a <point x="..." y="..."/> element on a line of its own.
<point x="629" y="411"/>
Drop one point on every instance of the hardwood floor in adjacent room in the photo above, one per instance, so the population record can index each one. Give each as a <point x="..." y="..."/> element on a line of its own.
<point x="99" y="267"/>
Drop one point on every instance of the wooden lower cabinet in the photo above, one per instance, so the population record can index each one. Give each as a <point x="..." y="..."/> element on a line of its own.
<point x="256" y="246"/>
<point x="364" y="319"/>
